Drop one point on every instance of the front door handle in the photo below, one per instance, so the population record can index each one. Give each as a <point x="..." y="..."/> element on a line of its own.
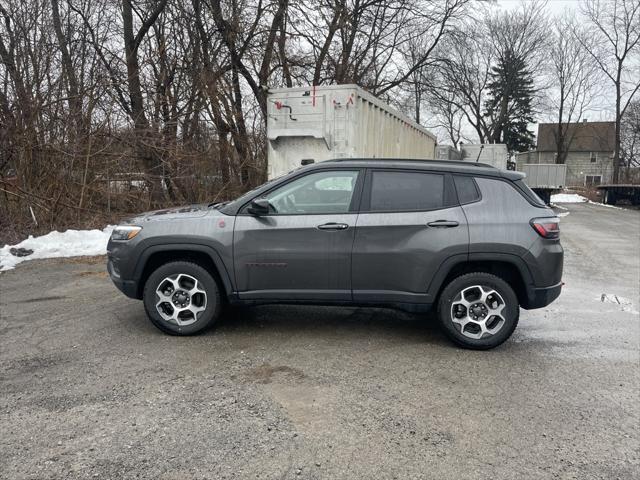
<point x="333" y="226"/>
<point x="443" y="224"/>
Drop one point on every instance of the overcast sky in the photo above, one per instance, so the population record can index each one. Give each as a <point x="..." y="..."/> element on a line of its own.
<point x="555" y="6"/>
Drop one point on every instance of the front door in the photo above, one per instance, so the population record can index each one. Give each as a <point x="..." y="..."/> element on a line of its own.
<point x="301" y="250"/>
<point x="409" y="223"/>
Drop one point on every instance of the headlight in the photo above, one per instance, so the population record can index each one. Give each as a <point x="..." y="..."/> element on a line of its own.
<point x="125" y="232"/>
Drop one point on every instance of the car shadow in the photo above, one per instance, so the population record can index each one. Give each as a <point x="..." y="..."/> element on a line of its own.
<point x="308" y="322"/>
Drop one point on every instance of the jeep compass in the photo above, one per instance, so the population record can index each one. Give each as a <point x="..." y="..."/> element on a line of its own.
<point x="468" y="241"/>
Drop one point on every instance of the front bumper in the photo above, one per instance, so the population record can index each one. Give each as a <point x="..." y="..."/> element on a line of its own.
<point x="128" y="287"/>
<point x="541" y="297"/>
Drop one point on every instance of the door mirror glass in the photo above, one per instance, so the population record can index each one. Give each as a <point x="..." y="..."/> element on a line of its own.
<point x="259" y="206"/>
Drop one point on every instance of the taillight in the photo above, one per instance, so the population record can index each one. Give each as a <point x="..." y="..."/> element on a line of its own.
<point x="546" y="227"/>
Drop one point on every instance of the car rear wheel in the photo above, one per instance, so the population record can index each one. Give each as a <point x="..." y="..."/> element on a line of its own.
<point x="478" y="311"/>
<point x="182" y="298"/>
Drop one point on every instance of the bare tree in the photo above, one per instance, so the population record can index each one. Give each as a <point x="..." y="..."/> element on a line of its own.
<point x="630" y="135"/>
<point x="457" y="89"/>
<point x="73" y="90"/>
<point x="115" y="106"/>
<point x="144" y="144"/>
<point x="611" y="36"/>
<point x="460" y="81"/>
<point x="238" y="42"/>
<point x="574" y="78"/>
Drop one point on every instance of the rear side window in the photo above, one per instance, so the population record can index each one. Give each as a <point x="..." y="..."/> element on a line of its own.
<point x="406" y="191"/>
<point x="466" y="188"/>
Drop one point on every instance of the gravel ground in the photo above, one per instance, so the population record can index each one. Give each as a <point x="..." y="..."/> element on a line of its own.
<point x="89" y="388"/>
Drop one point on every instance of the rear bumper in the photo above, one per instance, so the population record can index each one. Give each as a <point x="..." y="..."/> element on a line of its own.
<point x="541" y="297"/>
<point x="128" y="287"/>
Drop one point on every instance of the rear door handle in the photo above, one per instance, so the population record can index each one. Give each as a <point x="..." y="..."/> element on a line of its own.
<point x="443" y="224"/>
<point x="333" y="226"/>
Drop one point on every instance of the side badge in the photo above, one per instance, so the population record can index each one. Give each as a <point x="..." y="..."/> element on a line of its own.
<point x="222" y="223"/>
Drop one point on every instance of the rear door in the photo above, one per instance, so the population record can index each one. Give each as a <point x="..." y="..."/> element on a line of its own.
<point x="409" y="223"/>
<point x="301" y="250"/>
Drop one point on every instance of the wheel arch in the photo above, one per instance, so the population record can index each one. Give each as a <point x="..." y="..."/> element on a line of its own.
<point x="509" y="268"/>
<point x="203" y="255"/>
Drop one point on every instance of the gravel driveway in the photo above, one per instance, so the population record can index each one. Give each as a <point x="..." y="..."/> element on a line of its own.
<point x="89" y="388"/>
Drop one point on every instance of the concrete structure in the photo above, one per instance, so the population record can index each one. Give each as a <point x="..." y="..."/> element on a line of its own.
<point x="491" y="154"/>
<point x="589" y="148"/>
<point x="447" y="152"/>
<point x="312" y="124"/>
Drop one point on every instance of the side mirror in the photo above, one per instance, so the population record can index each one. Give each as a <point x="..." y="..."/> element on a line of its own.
<point x="259" y="206"/>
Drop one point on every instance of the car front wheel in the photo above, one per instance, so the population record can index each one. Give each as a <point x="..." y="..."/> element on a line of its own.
<point x="182" y="298"/>
<point x="478" y="311"/>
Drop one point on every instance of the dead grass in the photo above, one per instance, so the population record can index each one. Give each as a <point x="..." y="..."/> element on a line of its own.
<point x="101" y="274"/>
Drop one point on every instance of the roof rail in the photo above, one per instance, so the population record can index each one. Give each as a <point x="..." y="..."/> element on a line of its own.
<point x="417" y="160"/>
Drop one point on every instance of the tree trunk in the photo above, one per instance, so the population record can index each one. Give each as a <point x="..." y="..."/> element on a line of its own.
<point x="616" y="150"/>
<point x="144" y="138"/>
<point x="282" y="40"/>
<point x="560" y="134"/>
<point x="75" y="101"/>
<point x="333" y="27"/>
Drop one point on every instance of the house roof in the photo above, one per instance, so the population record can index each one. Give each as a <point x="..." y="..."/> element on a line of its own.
<point x="579" y="137"/>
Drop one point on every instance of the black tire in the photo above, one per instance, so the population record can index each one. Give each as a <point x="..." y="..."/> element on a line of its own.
<point x="206" y="282"/>
<point x="510" y="312"/>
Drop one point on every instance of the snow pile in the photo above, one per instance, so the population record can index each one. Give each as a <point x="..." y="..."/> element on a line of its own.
<point x="72" y="243"/>
<point x="567" y="198"/>
<point x="575" y="198"/>
<point x="605" y="205"/>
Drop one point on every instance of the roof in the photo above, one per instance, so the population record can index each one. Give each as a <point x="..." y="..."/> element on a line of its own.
<point x="580" y="137"/>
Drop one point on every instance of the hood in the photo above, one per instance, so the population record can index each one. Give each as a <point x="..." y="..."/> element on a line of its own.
<point x="186" y="211"/>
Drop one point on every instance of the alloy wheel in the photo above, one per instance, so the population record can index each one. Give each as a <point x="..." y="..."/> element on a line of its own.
<point x="478" y="311"/>
<point x="180" y="299"/>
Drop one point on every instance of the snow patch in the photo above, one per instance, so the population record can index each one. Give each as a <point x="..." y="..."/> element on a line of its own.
<point x="605" y="205"/>
<point x="575" y="198"/>
<point x="72" y="243"/>
<point x="567" y="198"/>
<point x="625" y="304"/>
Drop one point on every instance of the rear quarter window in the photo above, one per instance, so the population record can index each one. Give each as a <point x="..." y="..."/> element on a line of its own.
<point x="466" y="188"/>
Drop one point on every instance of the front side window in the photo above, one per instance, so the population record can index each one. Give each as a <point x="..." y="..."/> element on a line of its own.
<point x="320" y="192"/>
<point x="406" y="191"/>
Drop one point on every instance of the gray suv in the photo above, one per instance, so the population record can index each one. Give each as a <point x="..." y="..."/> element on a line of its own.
<point x="467" y="240"/>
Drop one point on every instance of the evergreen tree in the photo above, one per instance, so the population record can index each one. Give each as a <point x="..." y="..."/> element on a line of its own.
<point x="509" y="103"/>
